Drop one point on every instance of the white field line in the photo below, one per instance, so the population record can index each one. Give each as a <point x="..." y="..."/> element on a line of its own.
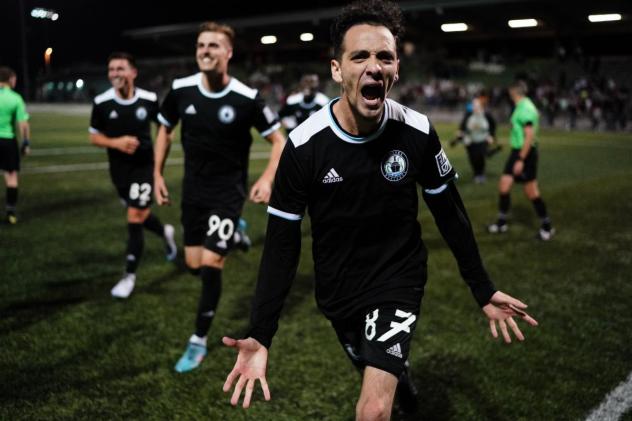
<point x="615" y="404"/>
<point x="93" y="166"/>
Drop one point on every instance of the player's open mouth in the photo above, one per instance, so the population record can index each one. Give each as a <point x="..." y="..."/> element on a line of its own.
<point x="372" y="93"/>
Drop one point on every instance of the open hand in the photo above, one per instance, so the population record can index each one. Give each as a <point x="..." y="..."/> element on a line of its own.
<point x="251" y="364"/>
<point x="501" y="309"/>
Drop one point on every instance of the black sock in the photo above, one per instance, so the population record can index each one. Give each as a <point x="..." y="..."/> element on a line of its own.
<point x="153" y="224"/>
<point x="540" y="210"/>
<point x="135" y="243"/>
<point x="504" y="203"/>
<point x="12" y="199"/>
<point x="211" y="291"/>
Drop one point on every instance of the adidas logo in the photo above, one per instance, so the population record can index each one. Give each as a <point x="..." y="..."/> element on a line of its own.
<point x="190" y="110"/>
<point x="113" y="115"/>
<point x="332" y="177"/>
<point x="395" y="350"/>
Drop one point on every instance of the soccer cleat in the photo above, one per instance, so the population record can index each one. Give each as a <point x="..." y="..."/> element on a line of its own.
<point x="192" y="357"/>
<point x="546" y="235"/>
<point x="497" y="228"/>
<point x="406" y="392"/>
<point x="242" y="241"/>
<point x="170" y="243"/>
<point x="124" y="287"/>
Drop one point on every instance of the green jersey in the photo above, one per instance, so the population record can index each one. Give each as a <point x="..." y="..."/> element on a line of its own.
<point x="12" y="110"/>
<point x="524" y="113"/>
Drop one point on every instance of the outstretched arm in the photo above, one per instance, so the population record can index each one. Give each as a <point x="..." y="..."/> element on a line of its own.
<point x="276" y="273"/>
<point x="262" y="189"/>
<point x="451" y="218"/>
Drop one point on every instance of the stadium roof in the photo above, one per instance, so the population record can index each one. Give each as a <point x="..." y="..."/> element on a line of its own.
<point x="563" y="22"/>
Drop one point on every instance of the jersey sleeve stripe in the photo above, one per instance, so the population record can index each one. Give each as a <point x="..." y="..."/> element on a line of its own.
<point x="437" y="190"/>
<point x="93" y="130"/>
<point x="164" y="121"/>
<point x="284" y="215"/>
<point x="276" y="126"/>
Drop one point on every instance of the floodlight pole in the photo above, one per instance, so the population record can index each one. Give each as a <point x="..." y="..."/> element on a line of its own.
<point x="25" y="63"/>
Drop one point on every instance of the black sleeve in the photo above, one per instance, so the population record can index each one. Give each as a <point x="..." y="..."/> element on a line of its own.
<point x="450" y="216"/>
<point x="168" y="115"/>
<point x="265" y="120"/>
<point x="436" y="169"/>
<point x="280" y="258"/>
<point x="492" y="124"/>
<point x="96" y="119"/>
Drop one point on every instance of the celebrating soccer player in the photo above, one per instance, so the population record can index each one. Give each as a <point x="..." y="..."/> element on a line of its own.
<point x="354" y="167"/>
<point x="216" y="112"/>
<point x="121" y="123"/>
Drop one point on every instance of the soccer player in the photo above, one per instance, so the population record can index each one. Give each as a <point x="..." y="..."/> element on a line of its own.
<point x="304" y="103"/>
<point x="12" y="110"/>
<point x="121" y="123"/>
<point x="522" y="164"/>
<point x="355" y="166"/>
<point x="216" y="112"/>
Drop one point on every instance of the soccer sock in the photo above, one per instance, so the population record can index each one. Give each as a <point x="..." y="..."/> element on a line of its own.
<point x="540" y="210"/>
<point x="135" y="243"/>
<point x="504" y="202"/>
<point x="211" y="291"/>
<point x="12" y="198"/>
<point x="153" y="224"/>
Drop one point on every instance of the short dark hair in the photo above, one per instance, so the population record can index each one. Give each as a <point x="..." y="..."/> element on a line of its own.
<point x="122" y="55"/>
<point x="6" y="73"/>
<point x="519" y="86"/>
<point x="372" y="12"/>
<point x="218" y="27"/>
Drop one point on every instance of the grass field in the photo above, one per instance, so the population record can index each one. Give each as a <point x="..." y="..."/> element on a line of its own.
<point x="67" y="350"/>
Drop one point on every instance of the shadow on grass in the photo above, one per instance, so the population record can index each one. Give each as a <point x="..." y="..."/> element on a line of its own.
<point x="29" y="382"/>
<point x="56" y="297"/>
<point x="438" y="376"/>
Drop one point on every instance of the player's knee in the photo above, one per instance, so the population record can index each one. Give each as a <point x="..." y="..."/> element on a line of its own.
<point x="372" y="410"/>
<point x="137" y="216"/>
<point x="213" y="260"/>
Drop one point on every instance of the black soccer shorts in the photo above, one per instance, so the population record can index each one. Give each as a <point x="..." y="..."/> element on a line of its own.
<point x="212" y="228"/>
<point x="134" y="184"/>
<point x="530" y="171"/>
<point x="9" y="155"/>
<point x="379" y="338"/>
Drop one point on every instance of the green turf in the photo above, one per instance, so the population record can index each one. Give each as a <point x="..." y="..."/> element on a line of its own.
<point x="67" y="350"/>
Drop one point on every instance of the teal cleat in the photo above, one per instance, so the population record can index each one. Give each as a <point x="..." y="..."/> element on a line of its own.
<point x="191" y="358"/>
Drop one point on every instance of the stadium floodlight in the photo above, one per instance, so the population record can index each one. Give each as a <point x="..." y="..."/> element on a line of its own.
<point x="268" y="39"/>
<point x="40" y="13"/>
<point x="522" y="23"/>
<point x="79" y="83"/>
<point x="307" y="36"/>
<point x="454" y="27"/>
<point x="609" y="17"/>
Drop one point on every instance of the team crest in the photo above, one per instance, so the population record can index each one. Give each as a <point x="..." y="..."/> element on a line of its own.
<point x="395" y="166"/>
<point x="141" y="113"/>
<point x="226" y="114"/>
<point x="443" y="164"/>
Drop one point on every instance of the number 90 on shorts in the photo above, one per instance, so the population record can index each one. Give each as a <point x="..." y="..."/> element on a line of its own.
<point x="220" y="231"/>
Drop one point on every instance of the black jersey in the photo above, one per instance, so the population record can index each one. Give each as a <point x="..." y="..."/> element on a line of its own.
<point x="216" y="137"/>
<point x="361" y="195"/>
<point x="114" y="117"/>
<point x="296" y="109"/>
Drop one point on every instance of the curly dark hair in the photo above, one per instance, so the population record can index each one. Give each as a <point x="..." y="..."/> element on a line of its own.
<point x="372" y="12"/>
